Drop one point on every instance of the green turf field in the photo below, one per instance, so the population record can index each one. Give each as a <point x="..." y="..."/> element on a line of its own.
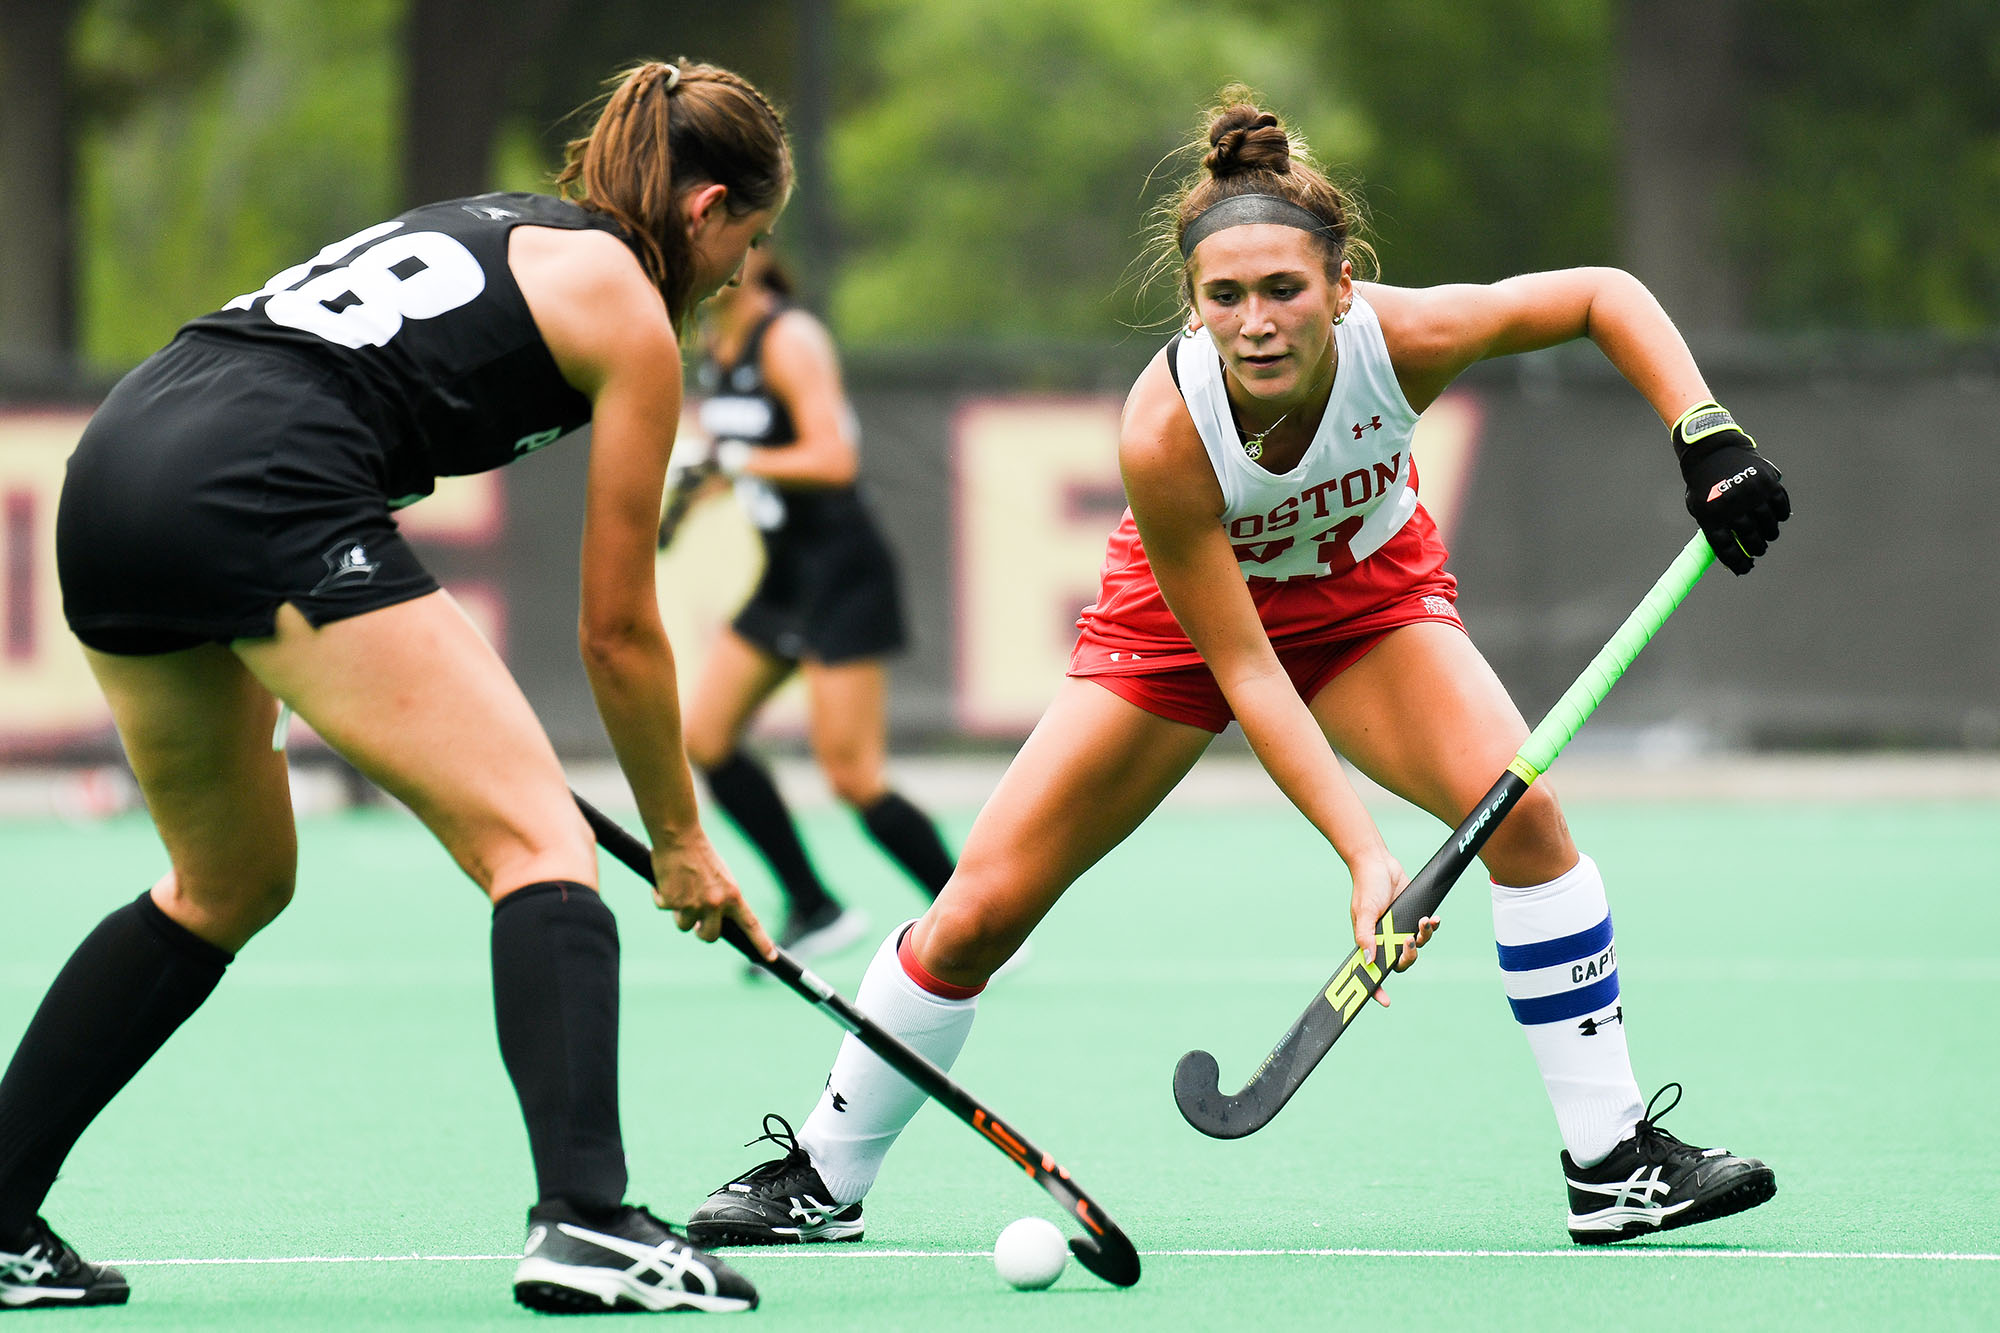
<point x="332" y="1143"/>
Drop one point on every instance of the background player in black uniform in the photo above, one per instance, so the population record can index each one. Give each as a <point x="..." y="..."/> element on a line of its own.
<point x="225" y="542"/>
<point x="827" y="605"/>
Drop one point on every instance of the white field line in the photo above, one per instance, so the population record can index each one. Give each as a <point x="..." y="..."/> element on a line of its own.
<point x="1121" y="972"/>
<point x="1592" y="1254"/>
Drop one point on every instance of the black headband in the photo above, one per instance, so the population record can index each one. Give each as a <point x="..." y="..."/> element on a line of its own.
<point x="1241" y="210"/>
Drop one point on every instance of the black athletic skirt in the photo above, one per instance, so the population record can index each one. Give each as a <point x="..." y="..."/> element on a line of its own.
<point x="216" y="483"/>
<point x="828" y="593"/>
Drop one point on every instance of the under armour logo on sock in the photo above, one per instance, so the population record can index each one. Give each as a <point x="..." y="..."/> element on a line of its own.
<point x="1588" y="1027"/>
<point x="839" y="1102"/>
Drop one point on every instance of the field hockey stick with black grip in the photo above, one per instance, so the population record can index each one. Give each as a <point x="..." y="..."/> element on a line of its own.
<point x="1197" y="1086"/>
<point x="1103" y="1248"/>
<point x="687" y="485"/>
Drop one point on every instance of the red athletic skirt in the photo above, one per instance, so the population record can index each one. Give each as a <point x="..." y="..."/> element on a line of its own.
<point x="1132" y="645"/>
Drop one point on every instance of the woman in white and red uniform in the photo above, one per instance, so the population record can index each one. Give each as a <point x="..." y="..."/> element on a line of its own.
<point x="1334" y="549"/>
<point x="1276" y="567"/>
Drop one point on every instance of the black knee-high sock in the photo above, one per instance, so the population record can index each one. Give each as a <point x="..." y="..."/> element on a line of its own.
<point x="130" y="983"/>
<point x="907" y="834"/>
<point x="555" y="1003"/>
<point x="746" y="793"/>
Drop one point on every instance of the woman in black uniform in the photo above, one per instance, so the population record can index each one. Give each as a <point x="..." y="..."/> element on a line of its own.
<point x="225" y="543"/>
<point x="827" y="605"/>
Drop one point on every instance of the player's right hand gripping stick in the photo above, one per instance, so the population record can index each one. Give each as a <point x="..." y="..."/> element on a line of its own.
<point x="1735" y="493"/>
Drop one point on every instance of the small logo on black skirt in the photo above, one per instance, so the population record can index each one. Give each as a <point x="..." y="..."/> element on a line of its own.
<point x="346" y="565"/>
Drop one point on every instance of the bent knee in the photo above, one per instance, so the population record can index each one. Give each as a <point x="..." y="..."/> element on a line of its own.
<point x="707" y="749"/>
<point x="1532" y="845"/>
<point x="974" y="927"/>
<point x="857" y="788"/>
<point x="515" y="855"/>
<point x="229" y="907"/>
<point x="853" y="772"/>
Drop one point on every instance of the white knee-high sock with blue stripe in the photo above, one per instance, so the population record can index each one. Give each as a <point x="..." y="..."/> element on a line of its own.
<point x="1561" y="968"/>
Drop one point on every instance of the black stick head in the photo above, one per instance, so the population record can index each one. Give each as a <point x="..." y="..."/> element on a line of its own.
<point x="1110" y="1255"/>
<point x="1199" y="1095"/>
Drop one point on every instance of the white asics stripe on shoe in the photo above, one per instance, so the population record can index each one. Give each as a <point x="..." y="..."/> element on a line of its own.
<point x="670" y="1267"/>
<point x="1633" y="1202"/>
<point x="48" y="1273"/>
<point x="20" y="1272"/>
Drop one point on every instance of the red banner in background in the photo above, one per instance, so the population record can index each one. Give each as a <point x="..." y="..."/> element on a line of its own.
<point x="50" y="707"/>
<point x="1019" y="524"/>
<point x="998" y="504"/>
<point x="49" y="703"/>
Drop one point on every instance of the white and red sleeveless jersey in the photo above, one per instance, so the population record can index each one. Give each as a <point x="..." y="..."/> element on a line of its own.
<point x="1325" y="546"/>
<point x="1350" y="491"/>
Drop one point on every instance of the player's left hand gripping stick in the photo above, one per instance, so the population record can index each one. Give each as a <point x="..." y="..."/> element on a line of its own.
<point x="1197" y="1087"/>
<point x="1103" y="1248"/>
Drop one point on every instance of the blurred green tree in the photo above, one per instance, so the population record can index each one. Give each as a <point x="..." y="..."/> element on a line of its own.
<point x="238" y="138"/>
<point x="463" y="62"/>
<point x="1492" y="131"/>
<point x="996" y="160"/>
<point x="992" y="166"/>
<point x="1682" y="154"/>
<point x="1875" y="198"/>
<point x="38" y="232"/>
<point x="233" y="137"/>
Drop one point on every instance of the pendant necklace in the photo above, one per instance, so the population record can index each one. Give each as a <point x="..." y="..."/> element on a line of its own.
<point x="1253" y="445"/>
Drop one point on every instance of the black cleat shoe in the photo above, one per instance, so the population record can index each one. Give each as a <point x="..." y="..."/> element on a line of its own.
<point x="1654" y="1182"/>
<point x="782" y="1202"/>
<point x="632" y="1262"/>
<point x="47" y="1273"/>
<point x="818" y="932"/>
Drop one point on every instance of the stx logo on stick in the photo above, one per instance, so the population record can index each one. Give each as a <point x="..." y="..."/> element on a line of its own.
<point x="1390" y="940"/>
<point x="1348" y="992"/>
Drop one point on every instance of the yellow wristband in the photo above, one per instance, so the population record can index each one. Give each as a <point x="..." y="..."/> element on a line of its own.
<point x="1704" y="419"/>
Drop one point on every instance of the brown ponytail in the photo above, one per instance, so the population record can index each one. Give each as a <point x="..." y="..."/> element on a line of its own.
<point x="663" y="130"/>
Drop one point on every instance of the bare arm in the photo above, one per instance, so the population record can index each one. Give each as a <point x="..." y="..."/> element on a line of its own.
<point x="1734" y="494"/>
<point x="801" y="369"/>
<point x="1176" y="504"/>
<point x="608" y="331"/>
<point x="609" y="334"/>
<point x="1434" y="333"/>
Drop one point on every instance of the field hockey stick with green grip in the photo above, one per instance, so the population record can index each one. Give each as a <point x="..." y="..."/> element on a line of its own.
<point x="1103" y="1248"/>
<point x="1197" y="1086"/>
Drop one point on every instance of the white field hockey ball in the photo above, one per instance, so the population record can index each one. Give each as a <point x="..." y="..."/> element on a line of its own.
<point x="1030" y="1253"/>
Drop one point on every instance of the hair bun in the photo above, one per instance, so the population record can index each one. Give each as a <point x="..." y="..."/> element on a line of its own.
<point x="1242" y="139"/>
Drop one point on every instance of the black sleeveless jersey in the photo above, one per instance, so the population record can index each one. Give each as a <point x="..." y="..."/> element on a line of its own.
<point x="418" y="323"/>
<point x="738" y="405"/>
